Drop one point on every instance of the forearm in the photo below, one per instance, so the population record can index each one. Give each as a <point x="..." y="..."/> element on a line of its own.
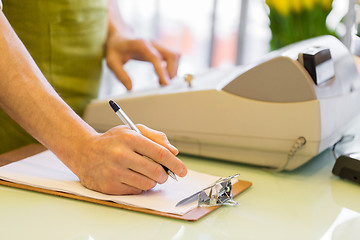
<point x="31" y="101"/>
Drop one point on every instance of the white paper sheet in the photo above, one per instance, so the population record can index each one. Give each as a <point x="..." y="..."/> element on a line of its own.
<point x="45" y="170"/>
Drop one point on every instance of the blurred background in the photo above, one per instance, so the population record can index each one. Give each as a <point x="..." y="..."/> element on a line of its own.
<point x="226" y="33"/>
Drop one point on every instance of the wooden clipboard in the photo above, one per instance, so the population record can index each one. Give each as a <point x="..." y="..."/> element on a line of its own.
<point x="32" y="149"/>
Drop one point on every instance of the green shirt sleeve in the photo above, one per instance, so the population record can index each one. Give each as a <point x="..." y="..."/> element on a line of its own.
<point x="0" y="5"/>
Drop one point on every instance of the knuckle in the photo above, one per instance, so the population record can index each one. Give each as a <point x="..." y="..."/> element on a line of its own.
<point x="162" y="135"/>
<point x="139" y="41"/>
<point x="174" y="57"/>
<point x="115" y="131"/>
<point x="121" y="155"/>
<point x="140" y="125"/>
<point x="162" y="153"/>
<point x="138" y="44"/>
<point x="128" y="136"/>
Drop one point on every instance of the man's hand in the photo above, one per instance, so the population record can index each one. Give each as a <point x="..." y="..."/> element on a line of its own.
<point x="119" y="50"/>
<point x="115" y="162"/>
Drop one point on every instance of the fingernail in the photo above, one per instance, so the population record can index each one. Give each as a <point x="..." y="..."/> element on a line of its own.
<point x="165" y="82"/>
<point x="175" y="151"/>
<point x="183" y="172"/>
<point x="173" y="147"/>
<point x="128" y="85"/>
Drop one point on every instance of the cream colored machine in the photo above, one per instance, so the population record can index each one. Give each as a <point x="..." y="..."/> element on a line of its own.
<point x="278" y="113"/>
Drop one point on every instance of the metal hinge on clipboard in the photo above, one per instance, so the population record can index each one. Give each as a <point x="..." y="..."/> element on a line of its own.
<point x="217" y="194"/>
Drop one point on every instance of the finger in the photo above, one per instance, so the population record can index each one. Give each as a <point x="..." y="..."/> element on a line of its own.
<point x="147" y="168"/>
<point x="145" y="51"/>
<point x="120" y="189"/>
<point x="170" y="57"/>
<point x="160" y="69"/>
<point x="152" y="55"/>
<point x="161" y="155"/>
<point x="138" y="180"/>
<point x="172" y="65"/>
<point x="136" y="161"/>
<point x="112" y="187"/>
<point x="118" y="69"/>
<point x="158" y="137"/>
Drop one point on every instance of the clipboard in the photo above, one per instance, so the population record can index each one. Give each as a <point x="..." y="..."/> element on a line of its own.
<point x="193" y="215"/>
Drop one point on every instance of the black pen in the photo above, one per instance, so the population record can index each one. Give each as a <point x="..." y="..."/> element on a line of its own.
<point x="126" y="120"/>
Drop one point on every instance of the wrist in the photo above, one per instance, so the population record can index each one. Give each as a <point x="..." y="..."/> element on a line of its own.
<point x="72" y="143"/>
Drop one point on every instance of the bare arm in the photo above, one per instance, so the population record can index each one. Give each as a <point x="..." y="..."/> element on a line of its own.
<point x="28" y="97"/>
<point x="109" y="162"/>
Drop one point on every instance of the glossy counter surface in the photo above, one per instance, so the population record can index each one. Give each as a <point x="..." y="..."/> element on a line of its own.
<point x="308" y="203"/>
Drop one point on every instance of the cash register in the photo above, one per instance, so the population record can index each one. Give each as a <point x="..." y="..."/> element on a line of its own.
<point x="277" y="113"/>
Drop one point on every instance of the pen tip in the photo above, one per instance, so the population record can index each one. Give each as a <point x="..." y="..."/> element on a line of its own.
<point x="171" y="174"/>
<point x="114" y="106"/>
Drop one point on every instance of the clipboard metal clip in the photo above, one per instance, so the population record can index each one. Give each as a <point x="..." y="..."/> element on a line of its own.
<point x="218" y="194"/>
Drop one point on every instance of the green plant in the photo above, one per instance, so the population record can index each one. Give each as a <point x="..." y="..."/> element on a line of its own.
<point x="295" y="20"/>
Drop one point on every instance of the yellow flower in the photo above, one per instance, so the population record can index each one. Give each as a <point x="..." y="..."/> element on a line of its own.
<point x="281" y="6"/>
<point x="326" y="4"/>
<point x="309" y="4"/>
<point x="284" y="7"/>
<point x="296" y="5"/>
